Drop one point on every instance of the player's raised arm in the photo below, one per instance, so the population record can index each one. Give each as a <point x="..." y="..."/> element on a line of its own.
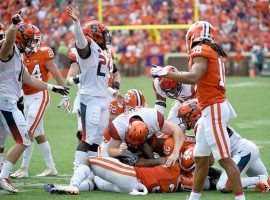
<point x="80" y="40"/>
<point x="7" y="47"/>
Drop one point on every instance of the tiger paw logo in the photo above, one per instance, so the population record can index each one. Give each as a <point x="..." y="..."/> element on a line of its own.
<point x="187" y="155"/>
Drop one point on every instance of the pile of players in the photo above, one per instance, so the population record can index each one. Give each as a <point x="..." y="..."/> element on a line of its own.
<point x="124" y="146"/>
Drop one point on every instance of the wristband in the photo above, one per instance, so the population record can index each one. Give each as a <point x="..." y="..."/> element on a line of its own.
<point x="49" y="86"/>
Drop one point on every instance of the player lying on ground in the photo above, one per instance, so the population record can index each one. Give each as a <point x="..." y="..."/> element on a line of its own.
<point x="243" y="152"/>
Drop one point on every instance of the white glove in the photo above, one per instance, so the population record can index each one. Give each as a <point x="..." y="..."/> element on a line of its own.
<point x="65" y="102"/>
<point x="139" y="189"/>
<point x="158" y="71"/>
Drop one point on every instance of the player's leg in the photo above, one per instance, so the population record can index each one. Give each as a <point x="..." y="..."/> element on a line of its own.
<point x="13" y="122"/>
<point x="105" y="185"/>
<point x="173" y="114"/>
<point x="217" y="129"/>
<point x="76" y="110"/>
<point x="115" y="172"/>
<point x="35" y="107"/>
<point x="95" y="119"/>
<point x="202" y="152"/>
<point x="45" y="150"/>
<point x="3" y="138"/>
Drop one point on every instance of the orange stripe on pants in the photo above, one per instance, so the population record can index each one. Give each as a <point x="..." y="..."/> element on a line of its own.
<point x="221" y="130"/>
<point x="113" y="163"/>
<point x="93" y="163"/>
<point x="215" y="132"/>
<point x="42" y="108"/>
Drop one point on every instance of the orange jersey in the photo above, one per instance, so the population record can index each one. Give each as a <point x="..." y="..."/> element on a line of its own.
<point x="36" y="66"/>
<point x="159" y="178"/>
<point x="211" y="87"/>
<point x="187" y="180"/>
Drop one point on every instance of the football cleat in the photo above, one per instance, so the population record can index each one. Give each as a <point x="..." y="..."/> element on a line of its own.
<point x="48" y="172"/>
<point x="263" y="184"/>
<point x="7" y="185"/>
<point x="20" y="173"/>
<point x="69" y="190"/>
<point x="48" y="187"/>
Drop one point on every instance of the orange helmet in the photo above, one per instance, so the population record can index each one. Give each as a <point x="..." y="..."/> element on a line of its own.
<point x="136" y="133"/>
<point x="197" y="32"/>
<point x="190" y="112"/>
<point x="98" y="32"/>
<point x="187" y="162"/>
<point x="116" y="107"/>
<point x="134" y="98"/>
<point x="2" y="31"/>
<point x="27" y="38"/>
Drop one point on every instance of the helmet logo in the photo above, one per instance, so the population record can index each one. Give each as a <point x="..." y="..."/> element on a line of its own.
<point x="94" y="28"/>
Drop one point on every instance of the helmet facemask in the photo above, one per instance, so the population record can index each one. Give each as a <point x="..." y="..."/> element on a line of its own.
<point x="32" y="45"/>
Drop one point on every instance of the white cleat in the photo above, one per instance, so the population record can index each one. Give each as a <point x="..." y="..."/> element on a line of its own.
<point x="20" y="173"/>
<point x="70" y="190"/>
<point x="7" y="185"/>
<point x="48" y="172"/>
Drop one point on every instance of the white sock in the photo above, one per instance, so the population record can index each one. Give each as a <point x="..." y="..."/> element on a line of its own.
<point x="86" y="186"/>
<point x="79" y="156"/>
<point x="7" y="167"/>
<point x="47" y="154"/>
<point x="240" y="196"/>
<point x="81" y="173"/>
<point x="246" y="182"/>
<point x="27" y="155"/>
<point x="194" y="196"/>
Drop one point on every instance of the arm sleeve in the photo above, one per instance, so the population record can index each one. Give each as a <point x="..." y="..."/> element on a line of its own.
<point x="80" y="40"/>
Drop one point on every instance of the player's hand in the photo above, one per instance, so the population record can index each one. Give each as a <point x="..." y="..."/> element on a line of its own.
<point x="172" y="159"/>
<point x="123" y="146"/>
<point x="74" y="13"/>
<point x="65" y="102"/>
<point x="16" y="19"/>
<point x="158" y="71"/>
<point x="58" y="89"/>
<point x="73" y="80"/>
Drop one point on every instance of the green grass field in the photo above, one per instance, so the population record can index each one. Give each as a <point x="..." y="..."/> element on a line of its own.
<point x="250" y="98"/>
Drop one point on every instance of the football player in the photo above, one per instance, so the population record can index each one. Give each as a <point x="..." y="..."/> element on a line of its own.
<point x="39" y="62"/>
<point x="244" y="153"/>
<point x="113" y="175"/>
<point x="168" y="88"/>
<point x="207" y="71"/>
<point x="95" y="65"/>
<point x="12" y="75"/>
<point x="73" y="77"/>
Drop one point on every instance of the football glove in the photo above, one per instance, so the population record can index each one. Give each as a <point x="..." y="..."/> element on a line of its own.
<point x="16" y="19"/>
<point x="158" y="71"/>
<point x="65" y="102"/>
<point x="139" y="189"/>
<point x="58" y="89"/>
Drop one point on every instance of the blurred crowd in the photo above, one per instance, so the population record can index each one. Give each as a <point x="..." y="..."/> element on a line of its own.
<point x="239" y="24"/>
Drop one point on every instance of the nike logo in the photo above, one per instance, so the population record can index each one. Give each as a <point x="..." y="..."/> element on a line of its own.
<point x="240" y="151"/>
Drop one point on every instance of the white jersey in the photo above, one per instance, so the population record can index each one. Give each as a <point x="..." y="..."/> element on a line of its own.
<point x="150" y="116"/>
<point x="185" y="91"/>
<point x="95" y="72"/>
<point x="235" y="141"/>
<point x="11" y="74"/>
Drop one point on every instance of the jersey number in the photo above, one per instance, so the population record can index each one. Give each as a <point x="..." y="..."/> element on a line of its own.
<point x="102" y="61"/>
<point x="221" y="73"/>
<point x="36" y="72"/>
